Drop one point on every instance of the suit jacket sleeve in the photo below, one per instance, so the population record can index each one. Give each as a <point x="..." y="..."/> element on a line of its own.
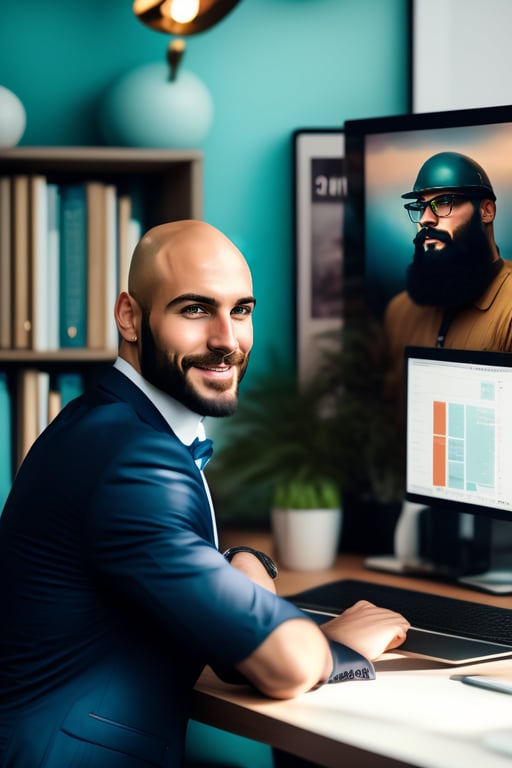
<point x="150" y="539"/>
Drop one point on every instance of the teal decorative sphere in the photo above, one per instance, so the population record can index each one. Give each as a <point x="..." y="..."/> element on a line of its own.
<point x="145" y="108"/>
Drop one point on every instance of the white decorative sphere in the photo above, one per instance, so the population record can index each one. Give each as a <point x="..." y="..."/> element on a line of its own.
<point x="147" y="109"/>
<point x="13" y="118"/>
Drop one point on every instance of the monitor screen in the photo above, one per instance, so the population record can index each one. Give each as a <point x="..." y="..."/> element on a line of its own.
<point x="382" y="159"/>
<point x="458" y="435"/>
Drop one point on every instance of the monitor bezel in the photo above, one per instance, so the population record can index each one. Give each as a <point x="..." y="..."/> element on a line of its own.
<point x="472" y="356"/>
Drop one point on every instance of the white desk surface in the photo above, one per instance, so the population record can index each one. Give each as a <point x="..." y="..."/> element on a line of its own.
<point x="411" y="715"/>
<point x="408" y="716"/>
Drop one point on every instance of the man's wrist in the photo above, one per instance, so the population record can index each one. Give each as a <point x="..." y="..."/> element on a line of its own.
<point x="265" y="560"/>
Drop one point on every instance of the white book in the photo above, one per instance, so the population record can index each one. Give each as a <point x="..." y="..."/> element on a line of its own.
<point x="38" y="250"/>
<point x="111" y="264"/>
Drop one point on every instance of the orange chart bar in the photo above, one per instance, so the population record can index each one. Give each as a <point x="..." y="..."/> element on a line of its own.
<point x="439" y="444"/>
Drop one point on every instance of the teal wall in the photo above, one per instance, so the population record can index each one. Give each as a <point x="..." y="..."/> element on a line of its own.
<point x="272" y="66"/>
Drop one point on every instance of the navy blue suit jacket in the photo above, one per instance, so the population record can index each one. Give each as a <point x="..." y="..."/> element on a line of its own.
<point x="113" y="594"/>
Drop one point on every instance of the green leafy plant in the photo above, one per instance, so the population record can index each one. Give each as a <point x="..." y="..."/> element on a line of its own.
<point x="301" y="493"/>
<point x="278" y="437"/>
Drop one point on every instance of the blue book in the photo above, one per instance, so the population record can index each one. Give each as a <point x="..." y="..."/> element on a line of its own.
<point x="53" y="276"/>
<point x="69" y="385"/>
<point x="73" y="266"/>
<point x="6" y="473"/>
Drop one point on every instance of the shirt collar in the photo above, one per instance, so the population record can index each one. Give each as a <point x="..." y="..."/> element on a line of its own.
<point x="186" y="424"/>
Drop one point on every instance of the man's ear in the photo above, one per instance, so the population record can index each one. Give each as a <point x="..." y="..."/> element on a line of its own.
<point x="487" y="211"/>
<point x="127" y="315"/>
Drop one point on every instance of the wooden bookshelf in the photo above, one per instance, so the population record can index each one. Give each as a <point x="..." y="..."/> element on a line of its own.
<point x="171" y="180"/>
<point x="162" y="185"/>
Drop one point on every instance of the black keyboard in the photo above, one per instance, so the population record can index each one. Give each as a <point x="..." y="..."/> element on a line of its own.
<point x="423" y="610"/>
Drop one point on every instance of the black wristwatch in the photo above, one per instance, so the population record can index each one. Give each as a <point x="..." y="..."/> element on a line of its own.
<point x="264" y="559"/>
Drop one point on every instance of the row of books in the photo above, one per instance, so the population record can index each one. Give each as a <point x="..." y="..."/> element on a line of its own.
<point x="38" y="398"/>
<point x="64" y="255"/>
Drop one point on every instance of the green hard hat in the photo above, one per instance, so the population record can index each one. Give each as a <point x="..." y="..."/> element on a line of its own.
<point x="451" y="170"/>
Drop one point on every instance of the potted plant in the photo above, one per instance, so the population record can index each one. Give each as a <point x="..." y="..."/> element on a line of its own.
<point x="306" y="519"/>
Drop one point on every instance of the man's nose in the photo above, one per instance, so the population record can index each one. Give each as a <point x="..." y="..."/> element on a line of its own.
<point x="222" y="334"/>
<point x="428" y="216"/>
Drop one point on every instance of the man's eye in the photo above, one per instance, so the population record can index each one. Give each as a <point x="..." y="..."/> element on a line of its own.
<point x="193" y="309"/>
<point x="241" y="310"/>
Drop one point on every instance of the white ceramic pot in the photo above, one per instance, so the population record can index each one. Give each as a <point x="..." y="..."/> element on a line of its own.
<point x="306" y="539"/>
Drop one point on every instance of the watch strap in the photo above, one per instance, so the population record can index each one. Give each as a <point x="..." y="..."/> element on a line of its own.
<point x="264" y="559"/>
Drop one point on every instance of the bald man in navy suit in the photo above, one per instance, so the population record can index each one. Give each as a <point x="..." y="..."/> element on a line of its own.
<point x="114" y="593"/>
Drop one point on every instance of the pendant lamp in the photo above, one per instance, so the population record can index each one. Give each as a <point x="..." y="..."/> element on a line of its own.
<point x="182" y="17"/>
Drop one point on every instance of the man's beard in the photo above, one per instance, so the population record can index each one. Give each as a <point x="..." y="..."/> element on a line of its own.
<point x="164" y="374"/>
<point x="454" y="275"/>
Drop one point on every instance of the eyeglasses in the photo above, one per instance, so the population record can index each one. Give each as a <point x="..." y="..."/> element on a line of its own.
<point x="440" y="206"/>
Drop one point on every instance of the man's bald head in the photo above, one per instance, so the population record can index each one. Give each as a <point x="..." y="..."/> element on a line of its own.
<point x="165" y="248"/>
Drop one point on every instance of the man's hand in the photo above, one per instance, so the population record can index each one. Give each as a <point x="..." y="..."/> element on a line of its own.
<point x="254" y="569"/>
<point x="368" y="629"/>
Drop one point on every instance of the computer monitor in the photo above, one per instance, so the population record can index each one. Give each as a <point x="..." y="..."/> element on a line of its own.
<point x="459" y="458"/>
<point x="458" y="430"/>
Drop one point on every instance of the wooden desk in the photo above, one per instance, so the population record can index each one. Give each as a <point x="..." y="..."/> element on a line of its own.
<point x="412" y="715"/>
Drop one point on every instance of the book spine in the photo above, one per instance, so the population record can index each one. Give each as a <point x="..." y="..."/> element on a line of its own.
<point x="54" y="404"/>
<point x="28" y="411"/>
<point x="73" y="267"/>
<point x="38" y="242"/>
<point x="22" y="326"/>
<point x="111" y="265"/>
<point x="5" y="263"/>
<point x="96" y="259"/>
<point x="53" y="274"/>
<point x="124" y="241"/>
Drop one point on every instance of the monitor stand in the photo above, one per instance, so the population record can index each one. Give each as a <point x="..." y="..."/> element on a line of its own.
<point x="406" y="557"/>
<point x="406" y="560"/>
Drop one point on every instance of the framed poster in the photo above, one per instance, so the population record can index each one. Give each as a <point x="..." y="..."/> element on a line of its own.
<point x="320" y="191"/>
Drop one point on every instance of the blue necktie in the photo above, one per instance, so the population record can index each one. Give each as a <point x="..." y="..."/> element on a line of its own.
<point x="202" y="451"/>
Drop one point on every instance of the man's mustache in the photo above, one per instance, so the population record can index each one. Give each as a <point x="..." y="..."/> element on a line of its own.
<point x="436" y="234"/>
<point x="214" y="359"/>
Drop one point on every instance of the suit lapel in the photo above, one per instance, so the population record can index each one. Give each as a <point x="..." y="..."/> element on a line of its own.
<point x="120" y="386"/>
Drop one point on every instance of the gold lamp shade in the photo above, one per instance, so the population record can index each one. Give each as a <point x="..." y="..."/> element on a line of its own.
<point x="182" y="17"/>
